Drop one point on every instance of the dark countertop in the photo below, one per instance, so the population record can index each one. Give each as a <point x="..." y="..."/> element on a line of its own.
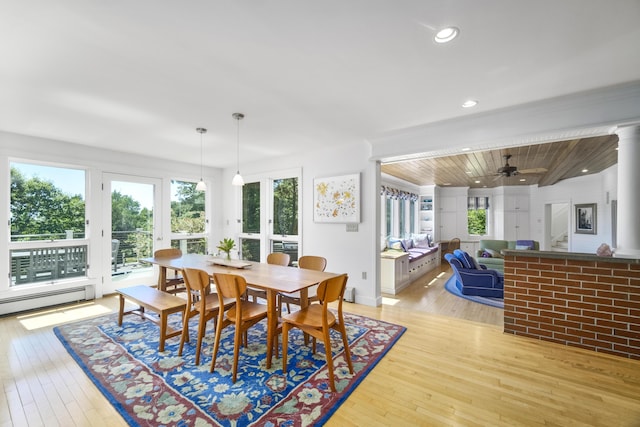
<point x="569" y="255"/>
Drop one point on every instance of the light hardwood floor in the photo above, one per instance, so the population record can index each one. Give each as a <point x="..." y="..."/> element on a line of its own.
<point x="446" y="370"/>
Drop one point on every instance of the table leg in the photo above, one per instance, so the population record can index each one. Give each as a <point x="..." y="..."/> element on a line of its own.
<point x="121" y="312"/>
<point x="304" y="303"/>
<point x="162" y="279"/>
<point x="304" y="298"/>
<point x="272" y="323"/>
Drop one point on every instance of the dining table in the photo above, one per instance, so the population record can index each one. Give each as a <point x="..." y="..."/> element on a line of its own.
<point x="271" y="278"/>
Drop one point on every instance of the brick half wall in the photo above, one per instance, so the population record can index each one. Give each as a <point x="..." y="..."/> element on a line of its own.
<point x="580" y="300"/>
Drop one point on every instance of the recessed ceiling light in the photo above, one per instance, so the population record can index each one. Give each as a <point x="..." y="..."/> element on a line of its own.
<point x="446" y="183"/>
<point x="469" y="103"/>
<point x="522" y="180"/>
<point x="585" y="170"/>
<point x="466" y="149"/>
<point x="447" y="34"/>
<point x="477" y="182"/>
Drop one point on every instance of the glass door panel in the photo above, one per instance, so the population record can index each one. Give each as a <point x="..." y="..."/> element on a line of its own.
<point x="131" y="207"/>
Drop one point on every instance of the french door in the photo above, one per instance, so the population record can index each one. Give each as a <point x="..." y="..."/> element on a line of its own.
<point x="132" y="229"/>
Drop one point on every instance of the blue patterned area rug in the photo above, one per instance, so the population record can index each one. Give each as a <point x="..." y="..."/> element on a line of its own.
<point x="149" y="388"/>
<point x="493" y="302"/>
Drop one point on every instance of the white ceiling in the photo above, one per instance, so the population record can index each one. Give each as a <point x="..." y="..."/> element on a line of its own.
<point x="139" y="76"/>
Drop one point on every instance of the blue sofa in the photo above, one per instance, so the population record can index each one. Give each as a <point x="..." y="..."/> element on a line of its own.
<point x="473" y="278"/>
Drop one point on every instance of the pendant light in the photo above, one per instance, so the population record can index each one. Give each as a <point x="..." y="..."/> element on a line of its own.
<point x="201" y="186"/>
<point x="237" y="179"/>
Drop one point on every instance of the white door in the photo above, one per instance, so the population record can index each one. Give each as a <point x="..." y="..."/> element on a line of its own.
<point x="132" y="217"/>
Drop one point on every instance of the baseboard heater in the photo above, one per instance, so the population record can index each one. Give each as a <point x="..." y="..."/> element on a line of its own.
<point x="46" y="299"/>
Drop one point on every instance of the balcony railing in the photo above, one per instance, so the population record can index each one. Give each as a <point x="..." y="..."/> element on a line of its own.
<point x="62" y="259"/>
<point x="48" y="264"/>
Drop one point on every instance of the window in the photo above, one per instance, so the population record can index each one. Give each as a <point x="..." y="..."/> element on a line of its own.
<point x="47" y="220"/>
<point x="412" y="215"/>
<point x="399" y="210"/>
<point x="477" y="208"/>
<point x="188" y="218"/>
<point x="250" y="236"/>
<point x="270" y="217"/>
<point x="402" y="218"/>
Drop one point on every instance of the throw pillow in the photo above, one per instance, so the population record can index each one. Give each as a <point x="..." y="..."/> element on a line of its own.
<point x="486" y="254"/>
<point x="397" y="244"/>
<point x="494" y="254"/>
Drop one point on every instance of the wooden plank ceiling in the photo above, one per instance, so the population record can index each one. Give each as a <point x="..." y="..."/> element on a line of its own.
<point x="542" y="164"/>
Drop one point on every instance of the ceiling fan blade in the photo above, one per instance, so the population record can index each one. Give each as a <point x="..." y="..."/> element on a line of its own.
<point x="533" y="170"/>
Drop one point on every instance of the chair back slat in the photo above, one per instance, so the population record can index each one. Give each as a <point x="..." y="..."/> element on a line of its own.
<point x="332" y="289"/>
<point x="312" y="262"/>
<point x="278" y="258"/>
<point x="168" y="253"/>
<point x="197" y="280"/>
<point x="230" y="285"/>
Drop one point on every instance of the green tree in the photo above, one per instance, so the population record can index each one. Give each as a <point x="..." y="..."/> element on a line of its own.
<point x="126" y="214"/>
<point x="133" y="224"/>
<point x="285" y="206"/>
<point x="39" y="207"/>
<point x="187" y="212"/>
<point x="251" y="208"/>
<point x="477" y="222"/>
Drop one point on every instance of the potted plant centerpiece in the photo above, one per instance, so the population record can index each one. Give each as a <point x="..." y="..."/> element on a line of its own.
<point x="226" y="245"/>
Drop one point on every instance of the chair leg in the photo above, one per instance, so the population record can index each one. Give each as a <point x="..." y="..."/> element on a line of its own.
<point x="185" y="332"/>
<point x="202" y="327"/>
<point x="345" y="343"/>
<point x="216" y="343"/>
<point x="236" y="350"/>
<point x="329" y="355"/>
<point x="285" y="343"/>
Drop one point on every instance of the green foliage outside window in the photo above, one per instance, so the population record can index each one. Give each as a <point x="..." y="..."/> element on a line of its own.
<point x="41" y="210"/>
<point x="251" y="208"/>
<point x="285" y="206"/>
<point x="477" y="222"/>
<point x="187" y="208"/>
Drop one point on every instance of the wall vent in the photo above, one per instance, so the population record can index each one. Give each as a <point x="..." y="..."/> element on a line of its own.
<point x="46" y="299"/>
<point x="350" y="294"/>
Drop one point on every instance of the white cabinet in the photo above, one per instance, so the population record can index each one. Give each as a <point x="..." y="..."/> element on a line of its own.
<point x="516" y="202"/>
<point x="516" y="217"/>
<point x="516" y="225"/>
<point x="394" y="271"/>
<point x="469" y="247"/>
<point x="427" y="219"/>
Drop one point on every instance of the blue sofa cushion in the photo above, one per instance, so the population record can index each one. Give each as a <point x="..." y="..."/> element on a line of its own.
<point x="466" y="259"/>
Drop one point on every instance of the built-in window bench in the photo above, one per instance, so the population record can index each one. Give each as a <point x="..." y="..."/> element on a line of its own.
<point x="398" y="268"/>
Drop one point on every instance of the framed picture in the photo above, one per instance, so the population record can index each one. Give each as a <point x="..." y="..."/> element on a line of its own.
<point x="337" y="199"/>
<point x="586" y="219"/>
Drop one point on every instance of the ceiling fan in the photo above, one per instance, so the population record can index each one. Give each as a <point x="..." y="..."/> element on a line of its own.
<point x="507" y="170"/>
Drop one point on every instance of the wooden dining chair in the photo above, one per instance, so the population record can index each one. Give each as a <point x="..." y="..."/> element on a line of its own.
<point x="243" y="314"/>
<point x="317" y="320"/>
<point x="173" y="284"/>
<point x="310" y="262"/>
<point x="200" y="302"/>
<point x="276" y="258"/>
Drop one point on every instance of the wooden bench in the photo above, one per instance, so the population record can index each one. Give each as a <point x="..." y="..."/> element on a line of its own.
<point x="154" y="300"/>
